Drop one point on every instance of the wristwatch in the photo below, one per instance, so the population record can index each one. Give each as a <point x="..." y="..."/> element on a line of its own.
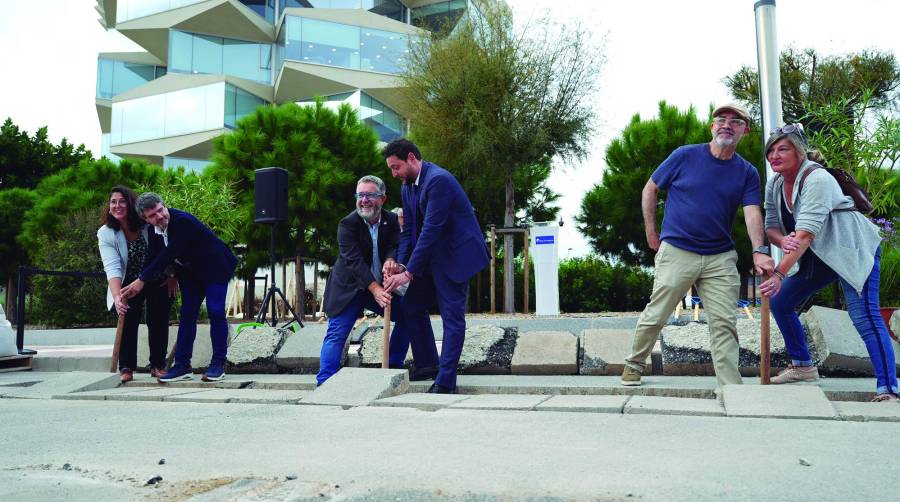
<point x="761" y="249"/>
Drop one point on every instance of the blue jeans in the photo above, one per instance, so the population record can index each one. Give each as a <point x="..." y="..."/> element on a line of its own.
<point x="192" y="294"/>
<point x="814" y="275"/>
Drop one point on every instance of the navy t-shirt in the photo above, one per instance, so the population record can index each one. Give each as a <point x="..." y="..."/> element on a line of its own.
<point x="703" y="196"/>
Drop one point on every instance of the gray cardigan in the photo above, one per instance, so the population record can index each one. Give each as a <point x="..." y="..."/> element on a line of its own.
<point x="845" y="240"/>
<point x="114" y="253"/>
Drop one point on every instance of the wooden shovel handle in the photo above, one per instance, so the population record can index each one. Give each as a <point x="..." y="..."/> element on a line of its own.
<point x="386" y="337"/>
<point x="764" y="356"/>
<point x="120" y="326"/>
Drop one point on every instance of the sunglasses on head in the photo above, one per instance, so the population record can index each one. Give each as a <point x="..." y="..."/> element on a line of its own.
<point x="788" y="129"/>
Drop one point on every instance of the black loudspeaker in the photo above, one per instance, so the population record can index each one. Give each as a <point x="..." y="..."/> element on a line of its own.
<point x="271" y="195"/>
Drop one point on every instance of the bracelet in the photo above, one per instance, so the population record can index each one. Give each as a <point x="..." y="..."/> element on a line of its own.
<point x="778" y="274"/>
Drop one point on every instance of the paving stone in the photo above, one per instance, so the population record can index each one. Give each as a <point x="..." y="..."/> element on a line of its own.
<point x="54" y="384"/>
<point x="777" y="401"/>
<point x="147" y="394"/>
<point x="283" y="382"/>
<point x="894" y="325"/>
<point x="359" y="387"/>
<point x="301" y="350"/>
<point x="254" y="349"/>
<point x="488" y="349"/>
<point x="7" y="337"/>
<point x="545" y="353"/>
<point x="590" y="404"/>
<point x="685" y="348"/>
<point x="422" y="401"/>
<point x="868" y="412"/>
<point x="501" y="402"/>
<point x="838" y="349"/>
<point x="102" y="395"/>
<point x="371" y="345"/>
<point x="202" y="345"/>
<point x="654" y="405"/>
<point x="243" y="396"/>
<point x="603" y="351"/>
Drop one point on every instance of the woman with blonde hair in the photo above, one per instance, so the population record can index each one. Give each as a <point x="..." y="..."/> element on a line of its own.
<point x="825" y="240"/>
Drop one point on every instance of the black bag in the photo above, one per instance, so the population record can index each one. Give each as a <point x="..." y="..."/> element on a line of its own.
<point x="849" y="187"/>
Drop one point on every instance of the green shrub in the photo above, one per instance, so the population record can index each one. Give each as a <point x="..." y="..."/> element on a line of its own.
<point x="592" y="284"/>
<point x="70" y="301"/>
<point x="889" y="292"/>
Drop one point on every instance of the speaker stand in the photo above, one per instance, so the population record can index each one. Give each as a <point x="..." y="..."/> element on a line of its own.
<point x="269" y="299"/>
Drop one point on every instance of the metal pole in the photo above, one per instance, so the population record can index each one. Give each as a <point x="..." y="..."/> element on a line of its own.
<point x="525" y="272"/>
<point x="493" y="270"/>
<point x="768" y="60"/>
<point x="20" y="311"/>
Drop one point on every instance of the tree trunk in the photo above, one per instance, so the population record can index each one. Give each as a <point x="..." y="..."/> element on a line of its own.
<point x="509" y="290"/>
<point x="11" y="299"/>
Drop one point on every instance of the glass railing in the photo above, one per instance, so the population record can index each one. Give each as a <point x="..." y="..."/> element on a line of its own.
<point x="393" y="9"/>
<point x="115" y="77"/>
<point x="346" y="46"/>
<point x="192" y="53"/>
<point x="185" y="111"/>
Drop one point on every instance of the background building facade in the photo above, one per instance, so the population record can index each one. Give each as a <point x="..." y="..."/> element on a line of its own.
<point x="207" y="63"/>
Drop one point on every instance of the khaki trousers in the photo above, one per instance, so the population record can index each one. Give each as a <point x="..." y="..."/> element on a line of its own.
<point x="717" y="281"/>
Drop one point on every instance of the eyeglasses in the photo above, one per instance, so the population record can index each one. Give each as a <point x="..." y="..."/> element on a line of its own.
<point x="368" y="195"/>
<point x="788" y="129"/>
<point x="719" y="121"/>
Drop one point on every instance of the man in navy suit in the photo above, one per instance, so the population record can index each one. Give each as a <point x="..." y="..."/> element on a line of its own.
<point x="442" y="250"/>
<point x="367" y="239"/>
<point x="204" y="265"/>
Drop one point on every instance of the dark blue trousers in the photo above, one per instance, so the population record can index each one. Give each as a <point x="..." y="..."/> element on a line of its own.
<point x="192" y="294"/>
<point x="451" y="300"/>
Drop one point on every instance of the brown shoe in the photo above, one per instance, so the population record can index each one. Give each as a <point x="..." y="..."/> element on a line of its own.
<point x="796" y="374"/>
<point x="630" y="377"/>
<point x="886" y="398"/>
<point x="126" y="375"/>
<point x="157" y="372"/>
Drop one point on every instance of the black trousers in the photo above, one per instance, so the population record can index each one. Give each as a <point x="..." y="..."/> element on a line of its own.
<point x="156" y="297"/>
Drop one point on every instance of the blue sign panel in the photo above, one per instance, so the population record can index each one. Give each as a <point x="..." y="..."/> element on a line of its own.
<point x="543" y="239"/>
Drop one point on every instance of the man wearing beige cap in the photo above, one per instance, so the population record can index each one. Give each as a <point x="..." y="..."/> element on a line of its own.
<point x="705" y="184"/>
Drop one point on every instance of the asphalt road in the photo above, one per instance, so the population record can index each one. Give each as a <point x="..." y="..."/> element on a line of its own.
<point x="107" y="450"/>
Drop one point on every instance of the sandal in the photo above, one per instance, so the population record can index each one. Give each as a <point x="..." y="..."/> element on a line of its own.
<point x="885" y="397"/>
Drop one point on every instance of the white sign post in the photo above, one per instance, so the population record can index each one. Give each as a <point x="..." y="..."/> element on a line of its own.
<point x="545" y="252"/>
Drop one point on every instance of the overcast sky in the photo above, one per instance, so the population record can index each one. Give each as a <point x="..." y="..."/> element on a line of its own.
<point x="655" y="49"/>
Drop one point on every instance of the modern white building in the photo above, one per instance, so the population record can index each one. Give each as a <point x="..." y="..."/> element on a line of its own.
<point x="207" y="63"/>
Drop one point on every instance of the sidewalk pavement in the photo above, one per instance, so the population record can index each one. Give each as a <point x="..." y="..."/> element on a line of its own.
<point x="80" y="436"/>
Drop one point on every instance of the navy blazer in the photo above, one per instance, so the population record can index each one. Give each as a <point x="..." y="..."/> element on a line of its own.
<point x="448" y="235"/>
<point x="200" y="252"/>
<point x="353" y="271"/>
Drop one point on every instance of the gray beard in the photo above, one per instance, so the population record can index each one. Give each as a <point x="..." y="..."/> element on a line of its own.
<point x="724" y="141"/>
<point x="367" y="213"/>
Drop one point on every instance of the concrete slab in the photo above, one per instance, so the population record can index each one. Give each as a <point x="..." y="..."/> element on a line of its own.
<point x="422" y="401"/>
<point x="868" y="412"/>
<point x="359" y="387"/>
<point x="653" y="405"/>
<point x="301" y="350"/>
<point x="102" y="395"/>
<point x="371" y="346"/>
<point x="202" y="345"/>
<point x="501" y="402"/>
<point x="243" y="396"/>
<point x="545" y="353"/>
<point x="836" y="345"/>
<point x="147" y="394"/>
<point x="589" y="404"/>
<point x="685" y="348"/>
<point x="777" y="401"/>
<point x="63" y="383"/>
<point x="282" y="382"/>
<point x="603" y="351"/>
<point x="488" y="349"/>
<point x="254" y="349"/>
